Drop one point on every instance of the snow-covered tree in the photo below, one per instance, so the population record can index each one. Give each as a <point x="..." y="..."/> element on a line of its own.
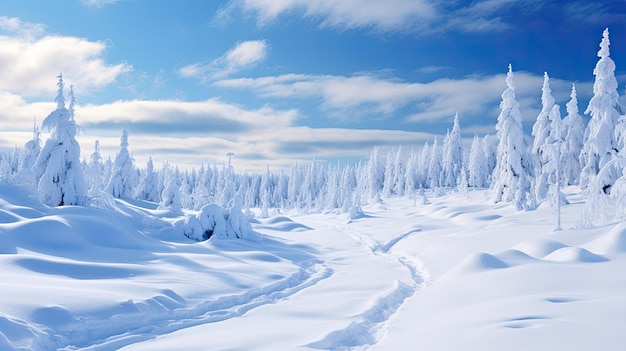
<point x="170" y="197"/>
<point x="148" y="188"/>
<point x="478" y="171"/>
<point x="32" y="148"/>
<point x="601" y="143"/>
<point x="123" y="178"/>
<point x="435" y="169"/>
<point x="58" y="169"/>
<point x="95" y="171"/>
<point x="453" y="156"/>
<point x="513" y="174"/>
<point x="544" y="138"/>
<point x="573" y="145"/>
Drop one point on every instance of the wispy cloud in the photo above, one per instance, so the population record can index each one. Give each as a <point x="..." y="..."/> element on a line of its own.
<point x="244" y="55"/>
<point x="595" y="12"/>
<point x="418" y="16"/>
<point x="364" y="96"/>
<point x="98" y="3"/>
<point x="388" y="15"/>
<point x="15" y="25"/>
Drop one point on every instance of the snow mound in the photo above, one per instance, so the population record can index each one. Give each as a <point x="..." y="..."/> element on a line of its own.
<point x="283" y="224"/>
<point x="482" y="261"/>
<point x="575" y="254"/>
<point x="612" y="242"/>
<point x="539" y="248"/>
<point x="515" y="257"/>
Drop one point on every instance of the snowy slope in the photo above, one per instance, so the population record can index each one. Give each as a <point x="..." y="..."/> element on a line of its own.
<point x="456" y="273"/>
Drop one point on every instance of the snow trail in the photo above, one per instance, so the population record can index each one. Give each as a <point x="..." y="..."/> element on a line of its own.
<point x="368" y="327"/>
<point x="169" y="314"/>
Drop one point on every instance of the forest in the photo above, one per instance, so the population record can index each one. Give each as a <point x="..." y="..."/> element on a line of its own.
<point x="517" y="168"/>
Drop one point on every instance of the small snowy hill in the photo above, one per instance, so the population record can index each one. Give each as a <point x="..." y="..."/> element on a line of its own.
<point x="455" y="273"/>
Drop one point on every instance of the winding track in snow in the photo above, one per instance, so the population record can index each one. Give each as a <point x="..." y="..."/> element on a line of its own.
<point x="363" y="331"/>
<point x="112" y="334"/>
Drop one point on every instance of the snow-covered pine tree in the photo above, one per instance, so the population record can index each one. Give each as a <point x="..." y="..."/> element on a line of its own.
<point x="573" y="145"/>
<point x="123" y="179"/>
<point x="94" y="171"/>
<point x="435" y="170"/>
<point x="423" y="171"/>
<point x="58" y="169"/>
<point x="148" y="188"/>
<point x="399" y="171"/>
<point x="453" y="157"/>
<point x="478" y="172"/>
<point x="170" y="197"/>
<point x="513" y="174"/>
<point x="542" y="131"/>
<point x="601" y="143"/>
<point x="32" y="148"/>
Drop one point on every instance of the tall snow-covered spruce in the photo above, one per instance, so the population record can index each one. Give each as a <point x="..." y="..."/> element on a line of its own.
<point x="574" y="134"/>
<point x="513" y="175"/>
<point x="601" y="142"/>
<point x="58" y="169"/>
<point x="542" y="132"/>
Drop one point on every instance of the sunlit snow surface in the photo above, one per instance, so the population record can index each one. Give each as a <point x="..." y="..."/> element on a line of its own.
<point x="457" y="273"/>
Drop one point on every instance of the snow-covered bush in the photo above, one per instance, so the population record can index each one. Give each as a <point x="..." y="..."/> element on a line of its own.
<point x="215" y="221"/>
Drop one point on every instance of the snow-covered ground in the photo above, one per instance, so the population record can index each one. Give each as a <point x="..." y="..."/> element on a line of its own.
<point x="457" y="273"/>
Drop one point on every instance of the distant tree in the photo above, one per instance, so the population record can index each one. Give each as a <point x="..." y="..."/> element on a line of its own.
<point x="573" y="145"/>
<point x="170" y="196"/>
<point x="423" y="172"/>
<point x="58" y="169"/>
<point x="435" y="169"/>
<point x="453" y="156"/>
<point x="399" y="180"/>
<point x="123" y="178"/>
<point x="390" y="171"/>
<point x="32" y="148"/>
<point x="95" y="171"/>
<point x="600" y="143"/>
<point x="478" y="171"/>
<point x="513" y="174"/>
<point x="148" y="188"/>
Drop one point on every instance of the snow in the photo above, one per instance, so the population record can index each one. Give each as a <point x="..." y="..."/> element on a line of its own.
<point x="456" y="272"/>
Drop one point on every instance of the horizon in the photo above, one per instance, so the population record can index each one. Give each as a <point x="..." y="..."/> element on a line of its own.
<point x="289" y="82"/>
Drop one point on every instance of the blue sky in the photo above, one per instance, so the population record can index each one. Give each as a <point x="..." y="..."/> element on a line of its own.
<point x="278" y="81"/>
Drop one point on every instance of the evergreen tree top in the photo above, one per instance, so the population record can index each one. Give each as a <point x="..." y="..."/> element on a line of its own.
<point x="572" y="104"/>
<point x="604" y="45"/>
<point x="509" y="78"/>
<point x="60" y="99"/>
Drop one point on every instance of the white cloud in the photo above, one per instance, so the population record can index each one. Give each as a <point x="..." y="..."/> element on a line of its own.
<point x="30" y="59"/>
<point x="98" y="3"/>
<point x="17" y="26"/>
<point x="361" y="96"/>
<point x="189" y="134"/>
<point x="418" y="16"/>
<point x="388" y="15"/>
<point x="244" y="55"/>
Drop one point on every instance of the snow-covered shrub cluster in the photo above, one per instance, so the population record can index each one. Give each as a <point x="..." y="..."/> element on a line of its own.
<point x="518" y="168"/>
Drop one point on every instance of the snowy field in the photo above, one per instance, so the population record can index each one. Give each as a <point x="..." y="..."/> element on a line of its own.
<point x="455" y="273"/>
